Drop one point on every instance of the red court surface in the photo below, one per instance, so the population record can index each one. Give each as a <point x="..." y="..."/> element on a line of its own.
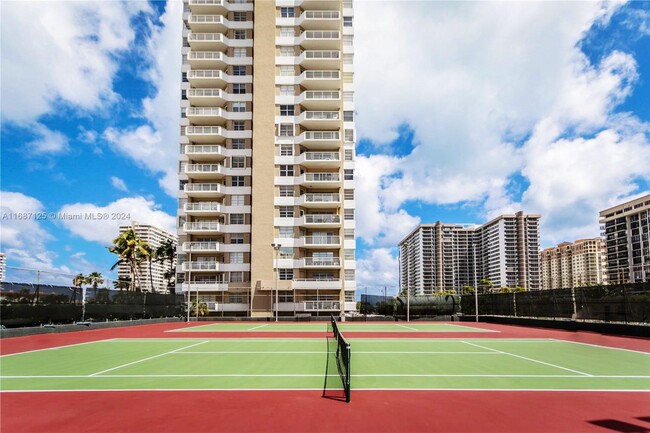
<point x="308" y="411"/>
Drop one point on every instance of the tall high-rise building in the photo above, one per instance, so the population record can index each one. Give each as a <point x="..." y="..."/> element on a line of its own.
<point x="626" y="228"/>
<point x="436" y="257"/>
<point x="155" y="237"/>
<point x="574" y="264"/>
<point x="266" y="202"/>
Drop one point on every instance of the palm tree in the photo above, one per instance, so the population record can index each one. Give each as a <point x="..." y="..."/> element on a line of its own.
<point x="147" y="255"/>
<point x="203" y="309"/>
<point x="130" y="249"/>
<point x="122" y="283"/>
<point x="78" y="281"/>
<point x="166" y="252"/>
<point x="95" y="279"/>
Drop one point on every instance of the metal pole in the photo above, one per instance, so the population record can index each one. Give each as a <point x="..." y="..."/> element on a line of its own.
<point x="83" y="304"/>
<point x="475" y="284"/>
<point x="408" y="304"/>
<point x="276" y="247"/>
<point x="189" y="281"/>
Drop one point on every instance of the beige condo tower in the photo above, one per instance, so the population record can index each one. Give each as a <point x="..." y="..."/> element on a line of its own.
<point x="266" y="202"/>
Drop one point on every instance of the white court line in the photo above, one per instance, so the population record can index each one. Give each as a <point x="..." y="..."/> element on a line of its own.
<point x="320" y="389"/>
<point x="528" y="376"/>
<point x="530" y="359"/>
<point x="56" y="347"/>
<point x="256" y="327"/>
<point x="146" y="359"/>
<point x="356" y="352"/>
<point x="601" y="347"/>
<point x="407" y="327"/>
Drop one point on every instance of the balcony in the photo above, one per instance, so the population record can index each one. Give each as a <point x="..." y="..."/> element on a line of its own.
<point x="207" y="116"/>
<point x="329" y="262"/>
<point x="205" y="152"/>
<point x="207" y="97"/>
<point x="307" y="306"/>
<point x="326" y="80"/>
<point x="320" y="119"/>
<point x="204" y="208"/>
<point x="320" y="200"/>
<point x="201" y="247"/>
<point x="208" y="41"/>
<point x="320" y="180"/>
<point x="205" y="171"/>
<point x="205" y="134"/>
<point x="319" y="40"/>
<point x="318" y="99"/>
<point x="320" y="220"/>
<point x="320" y="59"/>
<point x="320" y="20"/>
<point x="320" y="139"/>
<point x="204" y="190"/>
<point x="321" y="241"/>
<point x="207" y="78"/>
<point x="208" y="23"/>
<point x="203" y="227"/>
<point x="319" y="159"/>
<point x="229" y="307"/>
<point x="316" y="284"/>
<point x="310" y="4"/>
<point x="205" y="286"/>
<point x="218" y="6"/>
<point x="207" y="59"/>
<point x="202" y="266"/>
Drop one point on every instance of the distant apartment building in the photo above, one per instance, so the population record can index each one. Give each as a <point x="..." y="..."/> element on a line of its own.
<point x="440" y="256"/>
<point x="574" y="264"/>
<point x="155" y="237"/>
<point x="626" y="229"/>
<point x="3" y="266"/>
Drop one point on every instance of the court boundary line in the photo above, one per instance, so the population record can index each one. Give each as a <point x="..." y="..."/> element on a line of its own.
<point x="58" y="347"/>
<point x="531" y="359"/>
<point x="325" y="353"/>
<point x="320" y="389"/>
<point x="522" y="376"/>
<point x="602" y="347"/>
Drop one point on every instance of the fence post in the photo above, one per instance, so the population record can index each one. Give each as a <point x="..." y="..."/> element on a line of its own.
<point x="514" y="302"/>
<point x="573" y="301"/>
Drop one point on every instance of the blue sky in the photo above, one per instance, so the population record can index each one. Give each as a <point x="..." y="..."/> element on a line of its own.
<point x="464" y="111"/>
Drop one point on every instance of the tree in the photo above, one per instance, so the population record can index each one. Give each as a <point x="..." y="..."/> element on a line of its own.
<point x="468" y="290"/>
<point x="485" y="285"/>
<point x="505" y="289"/>
<point x="203" y="309"/>
<point x="131" y="250"/>
<point x="166" y="253"/>
<point x="95" y="279"/>
<point x="78" y="281"/>
<point x="122" y="283"/>
<point x="519" y="289"/>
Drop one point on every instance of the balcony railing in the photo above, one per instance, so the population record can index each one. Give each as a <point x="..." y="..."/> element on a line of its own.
<point x="322" y="219"/>
<point x="320" y="15"/>
<point x="318" y="95"/>
<point x="203" y="130"/>
<point x="311" y="34"/>
<point x="202" y="225"/>
<point x="207" y="19"/>
<point x="206" y="73"/>
<point x="322" y="240"/>
<point x="206" y="37"/>
<point x="316" y="262"/>
<point x="206" y="111"/>
<point x="203" y="206"/>
<point x="322" y="54"/>
<point x="209" y="93"/>
<point x="200" y="246"/>
<point x="200" y="266"/>
<point x="322" y="135"/>
<point x="198" y="149"/>
<point x="204" y="168"/>
<point x="322" y="115"/>
<point x="321" y="156"/>
<point x="206" y="55"/>
<point x="203" y="187"/>
<point x="322" y="177"/>
<point x="321" y="198"/>
<point x="322" y="305"/>
<point x="322" y="75"/>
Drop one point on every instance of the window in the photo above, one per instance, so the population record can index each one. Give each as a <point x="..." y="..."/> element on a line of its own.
<point x="237" y="181"/>
<point x="286" y="130"/>
<point x="183" y="112"/>
<point x="240" y="34"/>
<point x="237" y="200"/>
<point x="285" y="296"/>
<point x="348" y="214"/>
<point x="348" y="194"/>
<point x="285" y="274"/>
<point x="287" y="32"/>
<point x="236" y="277"/>
<point x="349" y="254"/>
<point x="287" y="52"/>
<point x="286" y="212"/>
<point x="237" y="238"/>
<point x="348" y="233"/>
<point x="286" y="253"/>
<point x="348" y="174"/>
<point x="239" y="52"/>
<point x="348" y="116"/>
<point x="287" y="12"/>
<point x="286" y="232"/>
<point x="286" y="170"/>
<point x="349" y="135"/>
<point x="286" y="191"/>
<point x="349" y="296"/>
<point x="349" y="154"/>
<point x="241" y="16"/>
<point x="287" y="71"/>
<point x="239" y="89"/>
<point x="238" y="125"/>
<point x="184" y="77"/>
<point x="287" y="91"/>
<point x="286" y="150"/>
<point x="237" y="143"/>
<point x="348" y="40"/>
<point x="183" y="94"/>
<point x="347" y="21"/>
<point x="238" y="107"/>
<point x="237" y="258"/>
<point x="286" y="110"/>
<point x="349" y="275"/>
<point x="236" y="218"/>
<point x="239" y="70"/>
<point x="238" y="162"/>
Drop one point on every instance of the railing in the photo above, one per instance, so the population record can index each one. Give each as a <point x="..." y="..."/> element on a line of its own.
<point x="206" y="37"/>
<point x="322" y="54"/>
<point x="318" y="15"/>
<point x="205" y="73"/>
<point x="322" y="240"/>
<point x="206" y="111"/>
<point x="205" y="206"/>
<point x="322" y="219"/>
<point x="208" y="19"/>
<point x="200" y="246"/>
<point x="322" y="115"/>
<point x="203" y="130"/>
<point x="208" y="148"/>
<point x="312" y="261"/>
<point x="310" y="34"/>
<point x="322" y="95"/>
<point x="322" y="177"/>
<point x="201" y="266"/>
<point x="322" y="135"/>
<point x="207" y="2"/>
<point x="322" y="305"/>
<point x="321" y="198"/>
<point x="202" y="225"/>
<point x="203" y="168"/>
<point x="318" y="75"/>
<point x="206" y="55"/>
<point x="203" y="187"/>
<point x="321" y="156"/>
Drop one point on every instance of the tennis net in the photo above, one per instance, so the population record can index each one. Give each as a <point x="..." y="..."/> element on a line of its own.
<point x="342" y="357"/>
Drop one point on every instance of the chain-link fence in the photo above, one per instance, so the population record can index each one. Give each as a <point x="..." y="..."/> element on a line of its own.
<point x="629" y="303"/>
<point x="33" y="304"/>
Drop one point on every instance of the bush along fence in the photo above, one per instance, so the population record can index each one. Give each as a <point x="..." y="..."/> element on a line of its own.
<point x="34" y="305"/>
<point x="628" y="303"/>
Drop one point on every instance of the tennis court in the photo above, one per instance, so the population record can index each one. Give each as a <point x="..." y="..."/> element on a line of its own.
<point x="194" y="359"/>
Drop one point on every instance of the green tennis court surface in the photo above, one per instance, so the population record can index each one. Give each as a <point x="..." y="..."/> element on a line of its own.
<point x="536" y="364"/>
<point x="322" y="327"/>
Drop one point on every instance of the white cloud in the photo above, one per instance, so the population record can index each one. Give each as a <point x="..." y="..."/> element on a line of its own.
<point x="114" y="215"/>
<point x="65" y="53"/>
<point x="118" y="184"/>
<point x="49" y="142"/>
<point x="378" y="269"/>
<point x="155" y="145"/>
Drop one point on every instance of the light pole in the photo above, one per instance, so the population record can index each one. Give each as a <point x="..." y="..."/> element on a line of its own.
<point x="189" y="281"/>
<point x="475" y="284"/>
<point x="276" y="247"/>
